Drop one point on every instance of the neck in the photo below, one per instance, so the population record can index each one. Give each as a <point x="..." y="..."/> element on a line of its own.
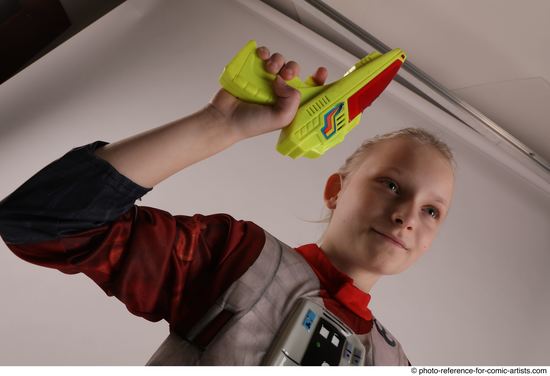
<point x="362" y="279"/>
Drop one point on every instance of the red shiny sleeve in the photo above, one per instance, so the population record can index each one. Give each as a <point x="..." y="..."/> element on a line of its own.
<point x="160" y="266"/>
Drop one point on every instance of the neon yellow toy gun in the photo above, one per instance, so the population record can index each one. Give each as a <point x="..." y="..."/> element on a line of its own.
<point x="327" y="112"/>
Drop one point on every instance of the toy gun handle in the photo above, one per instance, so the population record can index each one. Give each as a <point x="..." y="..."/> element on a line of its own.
<point x="246" y="78"/>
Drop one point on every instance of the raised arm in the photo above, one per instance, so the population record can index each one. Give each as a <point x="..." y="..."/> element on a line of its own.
<point x="77" y="214"/>
<point x="149" y="158"/>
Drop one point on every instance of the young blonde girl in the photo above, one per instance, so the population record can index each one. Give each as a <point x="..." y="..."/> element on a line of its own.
<point x="226" y="286"/>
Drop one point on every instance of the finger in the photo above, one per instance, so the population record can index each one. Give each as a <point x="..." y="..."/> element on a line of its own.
<point x="263" y="52"/>
<point x="320" y="75"/>
<point x="275" y="63"/>
<point x="288" y="100"/>
<point x="290" y="70"/>
<point x="223" y="102"/>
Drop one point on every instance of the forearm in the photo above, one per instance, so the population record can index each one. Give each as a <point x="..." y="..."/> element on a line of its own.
<point x="152" y="156"/>
<point x="96" y="183"/>
<point x="74" y="193"/>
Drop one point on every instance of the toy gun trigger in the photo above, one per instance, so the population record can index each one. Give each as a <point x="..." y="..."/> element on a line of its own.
<point x="308" y="88"/>
<point x="297" y="83"/>
<point x="310" y="82"/>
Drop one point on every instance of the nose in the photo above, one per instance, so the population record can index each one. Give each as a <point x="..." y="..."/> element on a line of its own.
<point x="402" y="216"/>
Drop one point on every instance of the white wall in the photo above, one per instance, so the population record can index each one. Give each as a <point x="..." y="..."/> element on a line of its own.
<point x="478" y="297"/>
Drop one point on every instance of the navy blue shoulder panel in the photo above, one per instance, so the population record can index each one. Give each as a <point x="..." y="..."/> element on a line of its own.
<point x="76" y="192"/>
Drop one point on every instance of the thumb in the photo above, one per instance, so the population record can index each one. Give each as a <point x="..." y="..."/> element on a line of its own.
<point x="288" y="99"/>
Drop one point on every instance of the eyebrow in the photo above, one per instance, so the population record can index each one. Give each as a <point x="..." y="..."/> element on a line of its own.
<point x="436" y="199"/>
<point x="440" y="200"/>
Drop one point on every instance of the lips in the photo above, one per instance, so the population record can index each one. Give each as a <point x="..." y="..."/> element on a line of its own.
<point x="394" y="239"/>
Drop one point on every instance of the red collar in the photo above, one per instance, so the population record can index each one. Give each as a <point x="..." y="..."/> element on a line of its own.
<point x="338" y="284"/>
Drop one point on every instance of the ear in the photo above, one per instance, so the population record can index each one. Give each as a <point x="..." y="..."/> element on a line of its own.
<point x="332" y="188"/>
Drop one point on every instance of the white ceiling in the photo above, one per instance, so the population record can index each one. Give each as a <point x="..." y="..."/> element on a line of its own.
<point x="493" y="54"/>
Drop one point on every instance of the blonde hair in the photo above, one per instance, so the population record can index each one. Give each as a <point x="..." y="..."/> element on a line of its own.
<point x="419" y="135"/>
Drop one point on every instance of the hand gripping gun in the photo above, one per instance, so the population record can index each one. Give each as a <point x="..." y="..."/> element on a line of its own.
<point x="327" y="112"/>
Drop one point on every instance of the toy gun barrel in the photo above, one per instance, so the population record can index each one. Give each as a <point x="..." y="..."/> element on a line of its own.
<point x="327" y="112"/>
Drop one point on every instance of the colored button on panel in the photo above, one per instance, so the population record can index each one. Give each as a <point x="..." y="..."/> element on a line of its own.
<point x="309" y="319"/>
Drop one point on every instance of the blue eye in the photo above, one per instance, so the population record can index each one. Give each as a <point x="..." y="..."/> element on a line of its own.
<point x="435" y="211"/>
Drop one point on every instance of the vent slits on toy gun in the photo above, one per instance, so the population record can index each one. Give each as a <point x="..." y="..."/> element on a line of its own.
<point x="327" y="112"/>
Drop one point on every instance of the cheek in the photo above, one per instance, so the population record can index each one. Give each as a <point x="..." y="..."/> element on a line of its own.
<point x="426" y="243"/>
<point x="348" y="209"/>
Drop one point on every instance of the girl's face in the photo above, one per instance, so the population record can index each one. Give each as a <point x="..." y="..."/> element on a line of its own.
<point x="402" y="189"/>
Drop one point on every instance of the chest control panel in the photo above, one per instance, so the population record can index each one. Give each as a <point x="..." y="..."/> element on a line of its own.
<point x="313" y="336"/>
